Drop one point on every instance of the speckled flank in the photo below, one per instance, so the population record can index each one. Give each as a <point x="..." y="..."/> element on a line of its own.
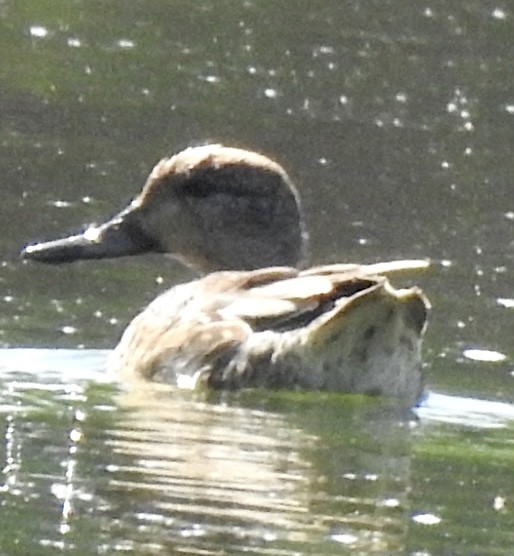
<point x="367" y="342"/>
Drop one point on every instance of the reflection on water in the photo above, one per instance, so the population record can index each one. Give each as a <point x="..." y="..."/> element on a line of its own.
<point x="153" y="470"/>
<point x="256" y="478"/>
<point x="90" y="467"/>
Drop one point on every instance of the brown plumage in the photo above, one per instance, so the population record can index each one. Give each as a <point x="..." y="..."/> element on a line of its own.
<point x="335" y="327"/>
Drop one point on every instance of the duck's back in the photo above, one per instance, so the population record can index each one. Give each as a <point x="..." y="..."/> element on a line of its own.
<point x="327" y="328"/>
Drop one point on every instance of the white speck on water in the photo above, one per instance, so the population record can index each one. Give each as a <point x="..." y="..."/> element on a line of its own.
<point x="345" y="538"/>
<point x="485" y="355"/>
<point x="391" y="503"/>
<point x="80" y="415"/>
<point x="38" y="31"/>
<point x="505" y="302"/>
<point x="498" y="13"/>
<point x="74" y="42"/>
<point x="426" y="519"/>
<point x="499" y="503"/>
<point x="61" y="204"/>
<point x="59" y="490"/>
<point x="126" y="43"/>
<point x="75" y="435"/>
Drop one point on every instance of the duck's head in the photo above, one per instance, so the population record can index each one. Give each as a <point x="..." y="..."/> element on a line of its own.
<point x="214" y="207"/>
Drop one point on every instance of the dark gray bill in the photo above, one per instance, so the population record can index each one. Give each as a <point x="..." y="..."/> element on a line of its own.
<point x="116" y="238"/>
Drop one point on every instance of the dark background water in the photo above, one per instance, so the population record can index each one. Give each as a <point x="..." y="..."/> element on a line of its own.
<point x="396" y="121"/>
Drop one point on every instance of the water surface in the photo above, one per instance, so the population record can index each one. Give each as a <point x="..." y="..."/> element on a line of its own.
<point x="396" y="125"/>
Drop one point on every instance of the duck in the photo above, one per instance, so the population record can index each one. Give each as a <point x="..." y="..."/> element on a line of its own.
<point x="258" y="317"/>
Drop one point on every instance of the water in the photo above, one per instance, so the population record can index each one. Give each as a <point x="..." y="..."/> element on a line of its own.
<point x="396" y="125"/>
<point x="93" y="468"/>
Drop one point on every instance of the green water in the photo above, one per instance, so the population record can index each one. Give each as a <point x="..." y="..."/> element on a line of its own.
<point x="395" y="121"/>
<point x="95" y="468"/>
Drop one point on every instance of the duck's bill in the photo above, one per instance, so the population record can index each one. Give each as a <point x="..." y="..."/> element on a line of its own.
<point x="110" y="240"/>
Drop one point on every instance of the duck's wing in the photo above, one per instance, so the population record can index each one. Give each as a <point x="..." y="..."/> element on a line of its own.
<point x="382" y="268"/>
<point x="292" y="301"/>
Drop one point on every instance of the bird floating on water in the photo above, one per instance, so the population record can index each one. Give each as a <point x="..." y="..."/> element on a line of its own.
<point x="255" y="320"/>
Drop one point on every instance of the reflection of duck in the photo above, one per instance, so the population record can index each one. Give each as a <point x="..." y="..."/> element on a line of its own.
<point x="336" y="327"/>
